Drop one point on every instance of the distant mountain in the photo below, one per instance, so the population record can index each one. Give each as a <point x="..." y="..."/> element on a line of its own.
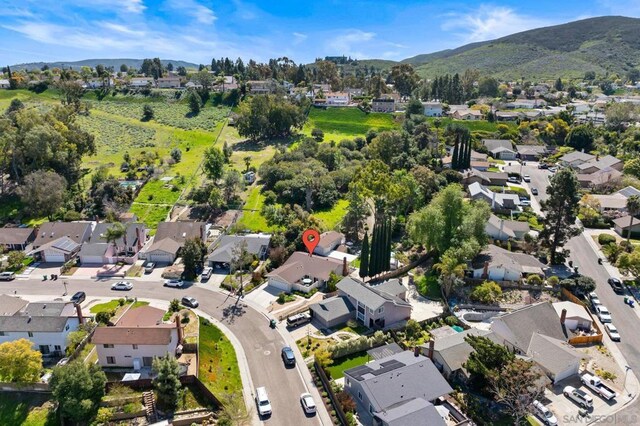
<point x="115" y="63"/>
<point x="608" y="44"/>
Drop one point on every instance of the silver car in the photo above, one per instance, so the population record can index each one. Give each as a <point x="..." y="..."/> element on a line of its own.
<point x="174" y="283"/>
<point x="122" y="285"/>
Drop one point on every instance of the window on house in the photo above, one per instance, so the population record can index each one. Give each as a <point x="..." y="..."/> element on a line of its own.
<point x="348" y="382"/>
<point x="44" y="349"/>
<point x="66" y="328"/>
<point x="370" y="408"/>
<point x="370" y="310"/>
<point x="359" y="396"/>
<point x="107" y="346"/>
<point x="2" y="333"/>
<point x="57" y="348"/>
<point x="381" y="310"/>
<point x="111" y="360"/>
<point x="30" y="334"/>
<point x="135" y="346"/>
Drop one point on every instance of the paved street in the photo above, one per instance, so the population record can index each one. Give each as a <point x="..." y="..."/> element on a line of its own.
<point x="539" y="177"/>
<point x="261" y="344"/>
<point x="624" y="317"/>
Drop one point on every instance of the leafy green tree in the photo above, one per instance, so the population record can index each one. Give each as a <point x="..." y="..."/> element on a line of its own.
<point x="268" y="116"/>
<point x="147" y="112"/>
<point x="364" y="257"/>
<point x="488" y="86"/>
<point x="195" y="102"/>
<point x="317" y="134"/>
<point x="213" y="164"/>
<point x="451" y="269"/>
<point x="629" y="263"/>
<point x="632" y="167"/>
<point x="174" y="305"/>
<point x="486" y="357"/>
<point x="232" y="182"/>
<point x="633" y="208"/>
<point x="167" y="381"/>
<point x="15" y="260"/>
<point x="488" y="292"/>
<point x="561" y="210"/>
<point x="559" y="86"/>
<point x="193" y="253"/>
<point x="19" y="362"/>
<point x="414" y="107"/>
<point x="404" y="78"/>
<point x="357" y="212"/>
<point x="581" y="137"/>
<point x="43" y="193"/>
<point x="176" y="154"/>
<point x="78" y="389"/>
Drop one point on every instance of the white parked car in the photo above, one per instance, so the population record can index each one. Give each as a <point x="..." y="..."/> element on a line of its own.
<point x="544" y="414"/>
<point x="262" y="401"/>
<point x="122" y="285"/>
<point x="603" y="314"/>
<point x="526" y="178"/>
<point x="578" y="396"/>
<point x="612" y="331"/>
<point x="308" y="404"/>
<point x="174" y="283"/>
<point x="595" y="301"/>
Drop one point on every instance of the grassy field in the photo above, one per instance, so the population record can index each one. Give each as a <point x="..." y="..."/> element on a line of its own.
<point x="339" y="365"/>
<point x="112" y="305"/>
<point x="150" y="214"/>
<point x="251" y="218"/>
<point x="26" y="409"/>
<point x="330" y="219"/>
<point x="338" y="123"/>
<point x="428" y="286"/>
<point x="218" y="367"/>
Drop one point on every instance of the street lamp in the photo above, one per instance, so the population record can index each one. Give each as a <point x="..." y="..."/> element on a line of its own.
<point x="65" y="288"/>
<point x="626" y="372"/>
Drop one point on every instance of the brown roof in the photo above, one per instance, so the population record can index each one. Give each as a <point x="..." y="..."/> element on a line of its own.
<point x="9" y="305"/>
<point x="50" y="231"/>
<point x="300" y="264"/>
<point x="623" y="222"/>
<point x="15" y="235"/>
<point x="328" y="239"/>
<point x="167" y="245"/>
<point x="132" y="335"/>
<point x="142" y="316"/>
<point x="179" y="231"/>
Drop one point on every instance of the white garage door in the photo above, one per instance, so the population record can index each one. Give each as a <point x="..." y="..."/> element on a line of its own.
<point x="160" y="257"/>
<point x="279" y="284"/>
<point x="91" y="260"/>
<point x="570" y="371"/>
<point x="54" y="258"/>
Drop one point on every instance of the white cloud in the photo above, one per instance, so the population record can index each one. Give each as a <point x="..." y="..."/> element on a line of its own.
<point x="345" y="42"/>
<point x="121" y="29"/>
<point x="199" y="12"/>
<point x="489" y="22"/>
<point x="299" y="38"/>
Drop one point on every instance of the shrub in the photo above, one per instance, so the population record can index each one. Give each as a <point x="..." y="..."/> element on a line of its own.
<point x="604" y="239"/>
<point x="281" y="297"/>
<point x="174" y="305"/>
<point x="346" y="402"/>
<point x="451" y="320"/>
<point x="176" y="154"/>
<point x="534" y="279"/>
<point x="317" y="134"/>
<point x="121" y="302"/>
<point x="488" y="292"/>
<point x="553" y="281"/>
<point x="357" y="345"/>
<point x="104" y="316"/>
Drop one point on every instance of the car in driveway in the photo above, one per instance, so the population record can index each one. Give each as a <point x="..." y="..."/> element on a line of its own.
<point x="7" y="276"/>
<point x="526" y="178"/>
<point x="603" y="314"/>
<point x="543" y="166"/>
<point x="616" y="285"/>
<point x="190" y="302"/>
<point x="612" y="331"/>
<point x="122" y="285"/>
<point x="534" y="191"/>
<point x="544" y="414"/>
<point x="149" y="267"/>
<point x="174" y="283"/>
<point x="308" y="404"/>
<point x="525" y="203"/>
<point x="288" y="357"/>
<point x="578" y="396"/>
<point x="513" y="179"/>
<point x="79" y="297"/>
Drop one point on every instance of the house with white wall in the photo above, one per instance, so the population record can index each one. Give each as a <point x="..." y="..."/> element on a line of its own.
<point x="302" y="272"/>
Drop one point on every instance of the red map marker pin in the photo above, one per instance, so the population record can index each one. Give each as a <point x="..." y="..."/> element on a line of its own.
<point x="310" y="238"/>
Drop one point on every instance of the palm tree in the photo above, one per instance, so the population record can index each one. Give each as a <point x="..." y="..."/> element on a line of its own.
<point x="633" y="208"/>
<point x="247" y="162"/>
<point x="114" y="233"/>
<point x="451" y="269"/>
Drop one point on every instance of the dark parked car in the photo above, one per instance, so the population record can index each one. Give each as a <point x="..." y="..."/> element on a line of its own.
<point x="616" y="284"/>
<point x="534" y="191"/>
<point x="288" y="356"/>
<point x="78" y="297"/>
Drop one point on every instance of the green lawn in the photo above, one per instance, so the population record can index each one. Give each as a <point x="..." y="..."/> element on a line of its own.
<point x="251" y="218"/>
<point x="339" y="365"/>
<point x="150" y="214"/>
<point x="112" y="305"/>
<point x="348" y="122"/>
<point x="26" y="409"/>
<point x="428" y="286"/>
<point x="218" y="368"/>
<point x="330" y="219"/>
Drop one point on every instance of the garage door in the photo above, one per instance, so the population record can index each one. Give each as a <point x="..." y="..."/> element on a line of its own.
<point x="98" y="260"/>
<point x="55" y="258"/>
<point x="570" y="371"/>
<point x="279" y="284"/>
<point x="160" y="257"/>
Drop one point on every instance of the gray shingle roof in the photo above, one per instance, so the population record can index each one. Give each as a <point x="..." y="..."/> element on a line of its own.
<point x="577" y="155"/>
<point x="384" y="351"/>
<point x="552" y="354"/>
<point x="255" y="243"/>
<point x="332" y="308"/>
<point x="414" y="412"/>
<point x="494" y="144"/>
<point x="33" y="324"/>
<point x="519" y="262"/>
<point x="15" y="235"/>
<point x="50" y="231"/>
<point x="300" y="264"/>
<point x="100" y="230"/>
<point x="9" y="305"/>
<point x="454" y="350"/>
<point x="179" y="231"/>
<point x="372" y="297"/>
<point x="93" y="249"/>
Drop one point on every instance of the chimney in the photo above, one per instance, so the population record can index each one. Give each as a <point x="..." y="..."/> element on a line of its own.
<point x="345" y="267"/>
<point x="501" y="227"/>
<point x="140" y="243"/>
<point x="485" y="270"/>
<point x="432" y="344"/>
<point x="493" y="201"/>
<point x="563" y="316"/>
<point x="416" y="351"/>
<point x="179" y="328"/>
<point x="79" y="312"/>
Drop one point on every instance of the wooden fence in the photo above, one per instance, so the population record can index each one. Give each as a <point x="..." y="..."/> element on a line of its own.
<point x="401" y="271"/>
<point x="326" y="384"/>
<point x="582" y="340"/>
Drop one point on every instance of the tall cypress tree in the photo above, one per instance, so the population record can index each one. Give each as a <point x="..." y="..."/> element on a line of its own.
<point x="374" y="251"/>
<point x="387" y="249"/>
<point x="454" y="157"/>
<point x="467" y="157"/>
<point x="364" y="257"/>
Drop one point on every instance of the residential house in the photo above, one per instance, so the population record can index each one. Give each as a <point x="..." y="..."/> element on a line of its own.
<point x="500" y="148"/>
<point x="451" y="351"/>
<point x="629" y="191"/>
<point x="531" y="152"/>
<point x="503" y="229"/>
<point x="303" y="272"/>
<point x="170" y="237"/>
<point x="614" y="203"/>
<point x="16" y="238"/>
<point x="374" y="306"/>
<point x="397" y="390"/>
<point x="138" y="336"/>
<point x="537" y="332"/>
<point x="526" y="104"/>
<point x="141" y="82"/>
<point x="126" y="249"/>
<point x="337" y="98"/>
<point x="169" y="82"/>
<point x="46" y="324"/>
<point x="329" y="241"/>
<point x="5" y="84"/>
<point x="261" y="87"/>
<point x="228" y="245"/>
<point x="506" y="116"/>
<point x="478" y="160"/>
<point x="623" y="224"/>
<point x="599" y="178"/>
<point x="355" y="91"/>
<point x="432" y="109"/>
<point x="608" y="162"/>
<point x="575" y="158"/>
<point x="467" y="114"/>
<point x="573" y="316"/>
<point x="497" y="200"/>
<point x="383" y="105"/>
<point x="497" y="264"/>
<point x="58" y="242"/>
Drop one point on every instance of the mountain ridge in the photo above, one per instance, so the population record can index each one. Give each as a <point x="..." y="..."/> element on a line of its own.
<point x="136" y="63"/>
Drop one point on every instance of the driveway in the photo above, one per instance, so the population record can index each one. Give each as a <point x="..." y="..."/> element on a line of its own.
<point x="421" y="307"/>
<point x="539" y="180"/>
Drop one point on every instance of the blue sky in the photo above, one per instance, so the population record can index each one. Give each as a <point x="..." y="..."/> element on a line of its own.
<point x="197" y="30"/>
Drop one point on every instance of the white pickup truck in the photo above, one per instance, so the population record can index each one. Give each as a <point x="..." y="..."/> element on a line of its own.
<point x="596" y="385"/>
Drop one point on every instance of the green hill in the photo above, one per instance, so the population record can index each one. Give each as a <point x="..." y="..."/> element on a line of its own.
<point x="115" y="63"/>
<point x="608" y="44"/>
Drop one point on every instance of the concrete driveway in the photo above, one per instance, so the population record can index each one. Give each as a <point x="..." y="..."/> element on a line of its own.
<point x="421" y="307"/>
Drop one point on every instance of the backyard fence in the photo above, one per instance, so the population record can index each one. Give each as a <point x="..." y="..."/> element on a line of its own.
<point x="25" y="387"/>
<point x="326" y="384"/>
<point x="582" y="340"/>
